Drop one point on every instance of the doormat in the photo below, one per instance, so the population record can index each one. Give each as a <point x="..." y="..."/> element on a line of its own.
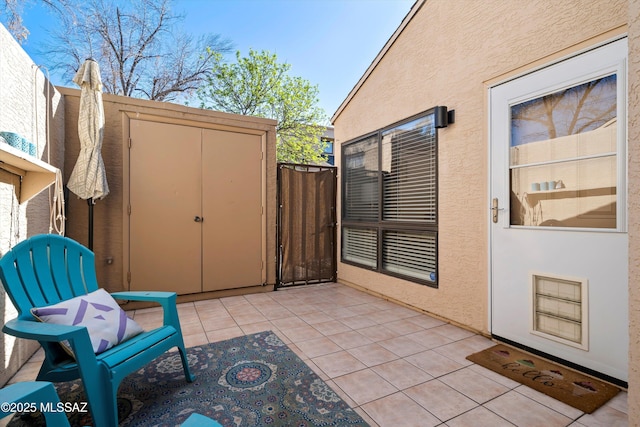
<point x="573" y="388"/>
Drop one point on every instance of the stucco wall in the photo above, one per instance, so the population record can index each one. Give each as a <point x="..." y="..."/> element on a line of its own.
<point x="110" y="219"/>
<point x="447" y="55"/>
<point x="634" y="212"/>
<point x="23" y="109"/>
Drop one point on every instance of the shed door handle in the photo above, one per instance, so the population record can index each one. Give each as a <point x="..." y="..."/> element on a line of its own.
<point x="198" y="219"/>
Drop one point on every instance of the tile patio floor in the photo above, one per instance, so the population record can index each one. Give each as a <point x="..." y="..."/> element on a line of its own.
<point x="395" y="366"/>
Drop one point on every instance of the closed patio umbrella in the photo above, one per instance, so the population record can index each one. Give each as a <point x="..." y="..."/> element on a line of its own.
<point x="88" y="179"/>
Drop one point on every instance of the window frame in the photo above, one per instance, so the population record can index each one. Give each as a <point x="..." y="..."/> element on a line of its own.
<point x="381" y="225"/>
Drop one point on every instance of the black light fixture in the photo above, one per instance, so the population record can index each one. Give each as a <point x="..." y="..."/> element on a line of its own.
<point x="444" y="118"/>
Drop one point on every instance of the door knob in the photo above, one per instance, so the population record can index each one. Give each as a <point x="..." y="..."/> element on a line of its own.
<point x="198" y="219"/>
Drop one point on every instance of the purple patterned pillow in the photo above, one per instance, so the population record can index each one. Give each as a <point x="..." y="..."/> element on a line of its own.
<point x="107" y="323"/>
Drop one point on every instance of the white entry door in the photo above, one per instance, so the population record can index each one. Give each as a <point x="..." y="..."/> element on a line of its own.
<point x="558" y="210"/>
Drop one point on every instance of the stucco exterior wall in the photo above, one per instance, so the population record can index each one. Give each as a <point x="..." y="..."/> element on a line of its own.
<point x="110" y="216"/>
<point x="448" y="54"/>
<point x="634" y="212"/>
<point x="23" y="110"/>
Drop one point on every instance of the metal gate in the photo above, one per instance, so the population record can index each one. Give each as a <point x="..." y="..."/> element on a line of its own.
<point x="306" y="224"/>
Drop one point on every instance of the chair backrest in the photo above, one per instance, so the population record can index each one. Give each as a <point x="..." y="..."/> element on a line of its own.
<point x="46" y="269"/>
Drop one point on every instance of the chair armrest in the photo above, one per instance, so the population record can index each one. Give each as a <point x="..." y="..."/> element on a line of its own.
<point x="34" y="330"/>
<point x="77" y="336"/>
<point x="143" y="295"/>
<point x="166" y="299"/>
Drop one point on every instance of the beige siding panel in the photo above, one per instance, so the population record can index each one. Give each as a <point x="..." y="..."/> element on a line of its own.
<point x="445" y="56"/>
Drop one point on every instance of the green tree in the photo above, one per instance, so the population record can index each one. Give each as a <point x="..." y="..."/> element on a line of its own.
<point x="257" y="85"/>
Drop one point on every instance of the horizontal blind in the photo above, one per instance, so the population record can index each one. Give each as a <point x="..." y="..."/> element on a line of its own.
<point x="361" y="194"/>
<point x="409" y="172"/>
<point x="359" y="245"/>
<point x="410" y="254"/>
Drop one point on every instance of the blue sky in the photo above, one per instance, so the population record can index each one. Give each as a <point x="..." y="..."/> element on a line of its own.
<point x="328" y="42"/>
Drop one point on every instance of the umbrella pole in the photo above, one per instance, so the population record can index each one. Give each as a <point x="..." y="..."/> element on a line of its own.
<point x="90" y="203"/>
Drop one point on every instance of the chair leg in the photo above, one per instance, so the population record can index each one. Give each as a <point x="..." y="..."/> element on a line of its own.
<point x="185" y="363"/>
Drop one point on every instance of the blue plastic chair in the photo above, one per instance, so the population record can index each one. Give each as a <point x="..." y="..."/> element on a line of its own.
<point x="47" y="269"/>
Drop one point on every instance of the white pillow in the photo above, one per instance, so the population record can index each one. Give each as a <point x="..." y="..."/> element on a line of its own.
<point x="107" y="323"/>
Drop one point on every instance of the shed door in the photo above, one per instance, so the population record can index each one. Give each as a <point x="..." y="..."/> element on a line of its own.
<point x="233" y="230"/>
<point x="165" y="197"/>
<point x="558" y="202"/>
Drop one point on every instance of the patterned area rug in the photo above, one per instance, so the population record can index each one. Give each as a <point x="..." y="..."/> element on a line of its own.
<point x="255" y="380"/>
<point x="573" y="388"/>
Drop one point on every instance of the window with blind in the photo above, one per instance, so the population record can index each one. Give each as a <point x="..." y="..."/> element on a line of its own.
<point x="390" y="207"/>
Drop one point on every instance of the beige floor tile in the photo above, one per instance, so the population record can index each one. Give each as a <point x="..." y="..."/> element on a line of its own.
<point x="550" y="402"/>
<point x="218" y="323"/>
<point x="398" y="410"/>
<point x="300" y="309"/>
<point x="273" y="313"/>
<point x="402" y="346"/>
<point x="208" y="304"/>
<point x="253" y="328"/>
<point x="383" y="317"/>
<point x="224" y="334"/>
<point x="378" y="333"/>
<point x="289" y="322"/>
<point x="358" y="322"/>
<point x="425" y="321"/>
<point x="478" y="417"/>
<point x="195" y="339"/>
<point x="429" y="339"/>
<point x="605" y="416"/>
<point x="234" y="301"/>
<point x="403" y="327"/>
<point x="511" y="407"/>
<point x="248" y="318"/>
<point x="318" y="347"/>
<point x="315" y="317"/>
<point x="302" y="333"/>
<point x="364" y="386"/>
<point x="473" y="385"/>
<point x="402" y="374"/>
<point x="340" y="392"/>
<point x="618" y="402"/>
<point x="440" y="399"/>
<point x="459" y="350"/>
<point x="372" y="354"/>
<point x="433" y="363"/>
<point x="337" y="364"/>
<point x="331" y="327"/>
<point x="350" y="339"/>
<point x="453" y="332"/>
<point x="404" y="312"/>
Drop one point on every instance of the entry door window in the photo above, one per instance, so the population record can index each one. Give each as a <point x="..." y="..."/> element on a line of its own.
<point x="563" y="156"/>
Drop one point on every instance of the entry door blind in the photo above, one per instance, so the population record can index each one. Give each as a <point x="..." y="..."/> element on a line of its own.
<point x="409" y="172"/>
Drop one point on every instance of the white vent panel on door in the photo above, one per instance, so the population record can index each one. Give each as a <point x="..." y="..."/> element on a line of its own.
<point x="559" y="309"/>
